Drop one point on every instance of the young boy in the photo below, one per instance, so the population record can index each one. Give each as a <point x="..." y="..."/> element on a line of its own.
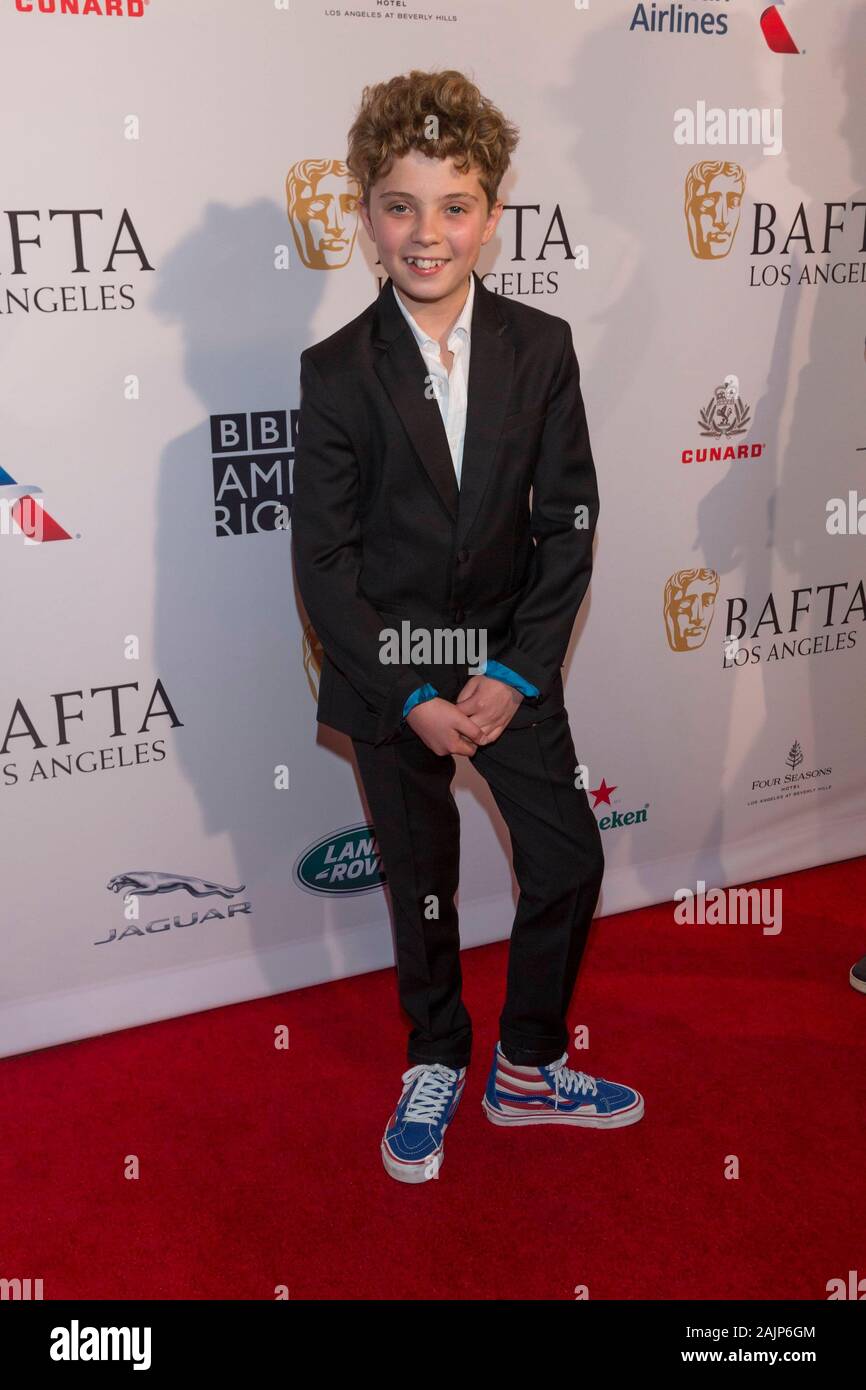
<point x="411" y="510"/>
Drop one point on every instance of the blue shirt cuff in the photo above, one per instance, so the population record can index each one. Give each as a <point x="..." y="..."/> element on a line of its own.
<point x="424" y="692"/>
<point x="500" y="672"/>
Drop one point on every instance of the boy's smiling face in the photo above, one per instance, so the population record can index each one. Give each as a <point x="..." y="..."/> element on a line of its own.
<point x="425" y="209"/>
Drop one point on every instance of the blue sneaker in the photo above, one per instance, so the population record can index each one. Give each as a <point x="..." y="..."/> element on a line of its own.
<point x="554" y="1094"/>
<point x="413" y="1143"/>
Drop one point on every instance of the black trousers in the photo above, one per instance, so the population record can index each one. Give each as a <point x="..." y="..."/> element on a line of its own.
<point x="558" y="862"/>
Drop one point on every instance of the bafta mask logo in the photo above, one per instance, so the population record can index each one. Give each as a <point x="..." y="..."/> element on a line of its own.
<point x="312" y="658"/>
<point x="714" y="193"/>
<point x="725" y="414"/>
<point x="690" y="599"/>
<point x="322" y="203"/>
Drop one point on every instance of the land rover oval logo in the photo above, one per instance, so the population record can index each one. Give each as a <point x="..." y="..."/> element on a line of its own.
<point x="345" y="862"/>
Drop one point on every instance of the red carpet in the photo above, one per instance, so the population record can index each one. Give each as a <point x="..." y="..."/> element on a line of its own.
<point x="260" y="1168"/>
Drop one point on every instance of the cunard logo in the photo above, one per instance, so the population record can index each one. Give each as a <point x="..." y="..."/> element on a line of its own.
<point x="725" y="416"/>
<point x="725" y="413"/>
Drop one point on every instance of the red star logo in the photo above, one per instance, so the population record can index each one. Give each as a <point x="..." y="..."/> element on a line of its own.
<point x="601" y="794"/>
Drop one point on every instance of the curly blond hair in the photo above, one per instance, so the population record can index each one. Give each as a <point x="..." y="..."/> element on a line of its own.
<point x="394" y="117"/>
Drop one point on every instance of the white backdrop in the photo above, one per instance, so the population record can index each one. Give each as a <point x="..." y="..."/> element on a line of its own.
<point x="157" y="694"/>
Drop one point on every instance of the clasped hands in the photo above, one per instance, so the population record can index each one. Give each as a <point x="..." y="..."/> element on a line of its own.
<point x="484" y="707"/>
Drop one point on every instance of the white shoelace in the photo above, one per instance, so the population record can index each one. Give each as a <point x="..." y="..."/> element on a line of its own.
<point x="432" y="1092"/>
<point x="568" y="1080"/>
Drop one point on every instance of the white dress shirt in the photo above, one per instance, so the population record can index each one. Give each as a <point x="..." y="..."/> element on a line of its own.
<point x="451" y="389"/>
<point x="452" y="395"/>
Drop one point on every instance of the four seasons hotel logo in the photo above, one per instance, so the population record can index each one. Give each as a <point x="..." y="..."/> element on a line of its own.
<point x="322" y="205"/>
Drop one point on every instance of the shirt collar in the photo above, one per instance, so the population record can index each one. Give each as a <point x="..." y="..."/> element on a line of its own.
<point x="464" y="323"/>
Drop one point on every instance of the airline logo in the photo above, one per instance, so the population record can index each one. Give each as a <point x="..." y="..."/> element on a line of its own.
<point x="775" y="31"/>
<point x="22" y="513"/>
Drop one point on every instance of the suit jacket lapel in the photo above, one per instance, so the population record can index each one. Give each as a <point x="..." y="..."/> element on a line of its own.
<point x="402" y="370"/>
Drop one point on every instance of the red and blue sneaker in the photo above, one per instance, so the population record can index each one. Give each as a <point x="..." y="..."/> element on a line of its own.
<point x="413" y="1146"/>
<point x="554" y="1094"/>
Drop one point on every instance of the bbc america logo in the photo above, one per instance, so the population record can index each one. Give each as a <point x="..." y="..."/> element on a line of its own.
<point x="253" y="454"/>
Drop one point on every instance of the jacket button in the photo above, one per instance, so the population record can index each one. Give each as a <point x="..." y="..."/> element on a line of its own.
<point x="462" y="556"/>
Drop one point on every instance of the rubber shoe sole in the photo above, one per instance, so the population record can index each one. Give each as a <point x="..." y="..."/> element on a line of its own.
<point x="560" y="1117"/>
<point x="857" y="984"/>
<point x="422" y="1171"/>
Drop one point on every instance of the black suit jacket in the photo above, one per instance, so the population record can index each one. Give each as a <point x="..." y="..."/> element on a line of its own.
<point x="382" y="533"/>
